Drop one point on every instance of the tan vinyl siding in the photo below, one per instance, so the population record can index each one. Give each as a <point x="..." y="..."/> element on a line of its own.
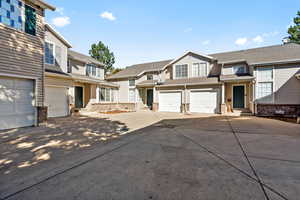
<point x="78" y="67"/>
<point x="21" y="54"/>
<point x="286" y="85"/>
<point x="51" y="81"/>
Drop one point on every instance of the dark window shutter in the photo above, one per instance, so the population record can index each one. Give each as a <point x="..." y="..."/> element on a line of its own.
<point x="30" y="20"/>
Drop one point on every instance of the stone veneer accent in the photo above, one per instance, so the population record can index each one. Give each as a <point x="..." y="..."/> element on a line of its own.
<point x="42" y="113"/>
<point x="105" y="107"/>
<point x="277" y="110"/>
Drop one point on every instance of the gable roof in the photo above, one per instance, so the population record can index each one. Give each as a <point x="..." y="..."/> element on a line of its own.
<point x="83" y="58"/>
<point x="263" y="55"/>
<point x="285" y="53"/>
<point x="58" y="35"/>
<point x="135" y="70"/>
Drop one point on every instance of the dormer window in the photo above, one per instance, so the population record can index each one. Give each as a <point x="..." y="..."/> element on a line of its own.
<point x="131" y="82"/>
<point x="181" y="71"/>
<point x="199" y="70"/>
<point x="239" y="69"/>
<point x="91" y="70"/>
<point x="149" y="76"/>
<point x="49" y="53"/>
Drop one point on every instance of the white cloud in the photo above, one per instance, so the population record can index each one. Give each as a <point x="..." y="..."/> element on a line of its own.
<point x="60" y="10"/>
<point x="108" y="15"/>
<point x="258" y="39"/>
<point x="61" y="21"/>
<point x="241" y="41"/>
<point x="206" y="42"/>
<point x="188" y="30"/>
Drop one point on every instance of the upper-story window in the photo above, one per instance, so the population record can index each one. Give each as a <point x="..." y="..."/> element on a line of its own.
<point x="131" y="82"/>
<point x="239" y="69"/>
<point x="149" y="76"/>
<point x="181" y="71"/>
<point x="264" y="85"/>
<point x="15" y="14"/>
<point x="93" y="70"/>
<point x="49" y="53"/>
<point x="199" y="69"/>
<point x="69" y="66"/>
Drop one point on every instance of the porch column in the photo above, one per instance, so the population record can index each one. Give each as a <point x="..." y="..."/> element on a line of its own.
<point x="223" y="93"/>
<point x="223" y="105"/>
<point x="97" y="94"/>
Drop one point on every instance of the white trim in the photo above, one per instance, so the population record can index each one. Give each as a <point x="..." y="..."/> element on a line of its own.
<point x="59" y="86"/>
<point x="269" y="81"/>
<point x="18" y="76"/>
<point x="58" y="35"/>
<point x="245" y="94"/>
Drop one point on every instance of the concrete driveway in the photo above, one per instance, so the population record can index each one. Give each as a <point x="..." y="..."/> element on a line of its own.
<point x="172" y="157"/>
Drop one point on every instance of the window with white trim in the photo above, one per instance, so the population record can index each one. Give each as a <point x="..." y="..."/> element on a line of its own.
<point x="199" y="70"/>
<point x="264" y="85"/>
<point x="106" y="95"/>
<point x="131" y="82"/>
<point x="132" y="95"/>
<point x="91" y="70"/>
<point x="239" y="69"/>
<point x="49" y="53"/>
<point x="181" y="71"/>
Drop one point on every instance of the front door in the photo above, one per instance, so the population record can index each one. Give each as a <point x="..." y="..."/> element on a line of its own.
<point x="149" y="98"/>
<point x="239" y="96"/>
<point x="78" y="97"/>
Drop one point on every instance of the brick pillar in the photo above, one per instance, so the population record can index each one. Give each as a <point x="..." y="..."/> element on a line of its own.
<point x="155" y="106"/>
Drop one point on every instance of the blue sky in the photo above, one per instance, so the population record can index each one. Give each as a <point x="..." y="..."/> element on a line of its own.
<point x="142" y="30"/>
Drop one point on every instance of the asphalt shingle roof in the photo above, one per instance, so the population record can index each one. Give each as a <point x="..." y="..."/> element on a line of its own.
<point x="135" y="70"/>
<point x="83" y="58"/>
<point x="269" y="54"/>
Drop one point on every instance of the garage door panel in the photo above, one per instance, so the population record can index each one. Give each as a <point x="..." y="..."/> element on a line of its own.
<point x="204" y="101"/>
<point x="16" y="103"/>
<point x="169" y="101"/>
<point x="56" y="98"/>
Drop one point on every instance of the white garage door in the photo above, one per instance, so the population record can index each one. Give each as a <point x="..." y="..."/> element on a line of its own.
<point x="204" y="102"/>
<point x="56" y="99"/>
<point x="16" y="103"/>
<point x="169" y="101"/>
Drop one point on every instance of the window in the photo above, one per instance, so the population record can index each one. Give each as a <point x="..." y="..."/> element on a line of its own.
<point x="132" y="82"/>
<point x="106" y="95"/>
<point x="131" y="95"/>
<point x="16" y="14"/>
<point x="181" y="71"/>
<point x="49" y="53"/>
<point x="199" y="69"/>
<point x="264" y="86"/>
<point x="11" y="14"/>
<point x="91" y="70"/>
<point x="239" y="69"/>
<point x="30" y="20"/>
<point x="69" y="66"/>
<point x="149" y="76"/>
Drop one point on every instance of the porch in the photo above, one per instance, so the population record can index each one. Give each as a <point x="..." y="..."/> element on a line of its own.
<point x="237" y="97"/>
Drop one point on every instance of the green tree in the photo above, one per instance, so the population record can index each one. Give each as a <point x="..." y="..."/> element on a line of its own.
<point x="294" y="31"/>
<point x="102" y="53"/>
<point x="116" y="70"/>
